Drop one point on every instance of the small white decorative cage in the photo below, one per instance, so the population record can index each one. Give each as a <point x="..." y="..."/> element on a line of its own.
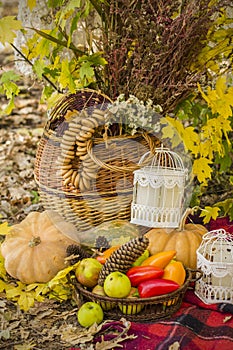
<point x="158" y="193"/>
<point x="215" y="260"/>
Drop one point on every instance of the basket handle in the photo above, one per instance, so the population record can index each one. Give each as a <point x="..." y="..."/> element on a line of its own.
<point x="199" y="271"/>
<point x="122" y="168"/>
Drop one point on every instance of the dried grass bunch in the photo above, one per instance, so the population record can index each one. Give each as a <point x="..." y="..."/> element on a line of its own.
<point x="153" y="50"/>
<point x="152" y="46"/>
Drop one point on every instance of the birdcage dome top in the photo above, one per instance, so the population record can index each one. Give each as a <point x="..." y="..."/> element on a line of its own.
<point x="163" y="158"/>
<point x="217" y="247"/>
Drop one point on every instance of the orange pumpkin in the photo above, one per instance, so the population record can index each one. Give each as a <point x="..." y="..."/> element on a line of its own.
<point x="35" y="249"/>
<point x="185" y="240"/>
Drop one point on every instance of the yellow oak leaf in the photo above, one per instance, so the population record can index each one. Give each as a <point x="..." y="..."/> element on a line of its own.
<point x="62" y="273"/>
<point x="209" y="212"/>
<point x="204" y="96"/>
<point x="23" y="295"/>
<point x="220" y="100"/>
<point x="3" y="273"/>
<point x="169" y="130"/>
<point x="205" y="149"/>
<point x="221" y="106"/>
<point x="177" y="133"/>
<point x="202" y="169"/>
<point x="214" y="130"/>
<point x="13" y="292"/>
<point x="8" y="26"/>
<point x="60" y="292"/>
<point x="3" y="285"/>
<point x="66" y="78"/>
<point x="5" y="229"/>
<point x="26" y="301"/>
<point x="221" y="86"/>
<point x="191" y="139"/>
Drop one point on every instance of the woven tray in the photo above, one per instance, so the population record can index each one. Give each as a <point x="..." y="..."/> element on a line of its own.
<point x="140" y="309"/>
<point x="84" y="171"/>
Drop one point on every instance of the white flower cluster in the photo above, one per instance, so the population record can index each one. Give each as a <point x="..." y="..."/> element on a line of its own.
<point x="134" y="115"/>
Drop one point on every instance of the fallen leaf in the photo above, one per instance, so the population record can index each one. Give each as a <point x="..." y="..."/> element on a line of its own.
<point x="227" y="318"/>
<point x="25" y="346"/>
<point x="5" y="229"/>
<point x="5" y="334"/>
<point x="174" y="346"/>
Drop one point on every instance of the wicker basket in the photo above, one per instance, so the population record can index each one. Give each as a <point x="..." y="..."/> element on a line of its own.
<point x="140" y="309"/>
<point x="83" y="170"/>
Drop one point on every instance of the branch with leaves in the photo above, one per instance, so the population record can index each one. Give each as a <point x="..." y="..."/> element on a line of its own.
<point x="205" y="127"/>
<point x="153" y="50"/>
<point x="164" y="51"/>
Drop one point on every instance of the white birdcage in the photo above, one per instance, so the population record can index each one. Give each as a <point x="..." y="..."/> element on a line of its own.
<point x="215" y="260"/>
<point x="158" y="194"/>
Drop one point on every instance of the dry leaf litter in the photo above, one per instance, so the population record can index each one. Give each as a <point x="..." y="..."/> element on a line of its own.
<point x="50" y="324"/>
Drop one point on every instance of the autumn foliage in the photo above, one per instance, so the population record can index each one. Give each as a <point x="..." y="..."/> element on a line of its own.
<point x="178" y="54"/>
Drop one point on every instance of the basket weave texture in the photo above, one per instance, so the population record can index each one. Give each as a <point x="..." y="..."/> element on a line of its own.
<point x="139" y="309"/>
<point x="83" y="169"/>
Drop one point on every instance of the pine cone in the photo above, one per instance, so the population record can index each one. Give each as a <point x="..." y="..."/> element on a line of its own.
<point x="75" y="253"/>
<point x="123" y="258"/>
<point x="101" y="243"/>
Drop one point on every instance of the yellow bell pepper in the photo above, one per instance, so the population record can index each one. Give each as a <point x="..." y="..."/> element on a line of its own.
<point x="160" y="259"/>
<point x="175" y="271"/>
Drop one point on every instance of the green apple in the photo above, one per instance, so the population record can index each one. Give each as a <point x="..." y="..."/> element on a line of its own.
<point x="90" y="313"/>
<point x="87" y="272"/>
<point x="130" y="309"/>
<point x="117" y="285"/>
<point x="99" y="290"/>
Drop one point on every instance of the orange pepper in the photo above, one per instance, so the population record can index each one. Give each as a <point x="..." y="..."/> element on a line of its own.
<point x="106" y="254"/>
<point x="175" y="271"/>
<point x="160" y="259"/>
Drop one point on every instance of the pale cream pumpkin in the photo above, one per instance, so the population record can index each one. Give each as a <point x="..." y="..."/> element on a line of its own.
<point x="35" y="249"/>
<point x="185" y="240"/>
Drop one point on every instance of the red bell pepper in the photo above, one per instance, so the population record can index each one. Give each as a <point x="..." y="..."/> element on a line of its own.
<point x="138" y="274"/>
<point x="156" y="286"/>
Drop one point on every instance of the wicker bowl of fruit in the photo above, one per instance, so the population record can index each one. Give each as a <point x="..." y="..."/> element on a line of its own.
<point x="126" y="282"/>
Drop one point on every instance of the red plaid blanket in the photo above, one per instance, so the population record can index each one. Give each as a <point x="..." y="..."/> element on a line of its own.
<point x="195" y="326"/>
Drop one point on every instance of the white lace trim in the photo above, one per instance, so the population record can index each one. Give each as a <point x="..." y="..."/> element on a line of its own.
<point x="156" y="180"/>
